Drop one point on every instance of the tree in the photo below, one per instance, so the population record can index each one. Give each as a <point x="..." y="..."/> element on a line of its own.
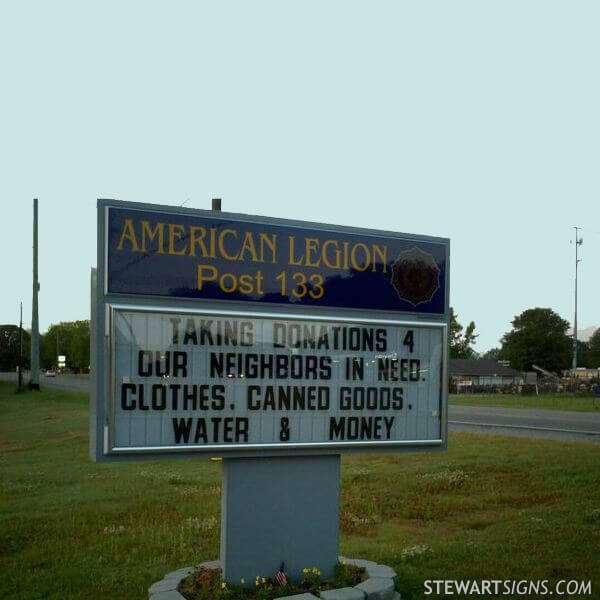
<point x="594" y="341"/>
<point x="539" y="337"/>
<point x="587" y="357"/>
<point x="71" y="339"/>
<point x="9" y="347"/>
<point x="588" y="354"/>
<point x="494" y="354"/>
<point x="461" y="344"/>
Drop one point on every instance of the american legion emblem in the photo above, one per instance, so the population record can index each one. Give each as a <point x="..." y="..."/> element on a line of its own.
<point x="415" y="276"/>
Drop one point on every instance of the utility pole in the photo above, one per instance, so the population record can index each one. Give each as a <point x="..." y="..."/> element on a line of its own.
<point x="34" y="381"/>
<point x="20" y="385"/>
<point x="578" y="242"/>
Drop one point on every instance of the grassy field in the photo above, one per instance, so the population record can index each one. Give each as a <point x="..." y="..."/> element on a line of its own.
<point x="488" y="508"/>
<point x="549" y="401"/>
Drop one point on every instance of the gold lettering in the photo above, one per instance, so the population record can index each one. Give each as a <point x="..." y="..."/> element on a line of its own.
<point x="246" y="284"/>
<point x="222" y="235"/>
<point x="317" y="281"/>
<point x="355" y="263"/>
<point x="158" y="231"/>
<point x="128" y="233"/>
<point x="345" y="255"/>
<point x="213" y="242"/>
<point x="234" y="283"/>
<point x="259" y="283"/>
<point x="197" y="235"/>
<point x="382" y="253"/>
<point x="175" y="233"/>
<point x="270" y="241"/>
<point x="292" y="260"/>
<point x="210" y="276"/>
<point x="337" y="253"/>
<point x="312" y="246"/>
<point x="248" y="244"/>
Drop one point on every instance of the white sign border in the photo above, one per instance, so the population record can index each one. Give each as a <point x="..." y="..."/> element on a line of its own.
<point x="213" y="449"/>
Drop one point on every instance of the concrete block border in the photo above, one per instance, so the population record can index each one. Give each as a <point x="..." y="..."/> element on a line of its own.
<point x="380" y="584"/>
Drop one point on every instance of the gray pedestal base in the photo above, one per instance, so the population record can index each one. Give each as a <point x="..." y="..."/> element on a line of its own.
<point x="276" y="510"/>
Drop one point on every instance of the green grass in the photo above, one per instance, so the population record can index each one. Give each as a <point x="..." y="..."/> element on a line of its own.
<point x="547" y="401"/>
<point x="490" y="507"/>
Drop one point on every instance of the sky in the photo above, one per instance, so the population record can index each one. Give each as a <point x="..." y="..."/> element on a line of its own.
<point x="476" y="121"/>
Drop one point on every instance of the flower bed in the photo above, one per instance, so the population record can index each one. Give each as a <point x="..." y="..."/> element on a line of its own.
<point x="207" y="584"/>
<point x="354" y="579"/>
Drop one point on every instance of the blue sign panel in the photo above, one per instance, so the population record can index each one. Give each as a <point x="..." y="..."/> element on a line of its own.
<point x="156" y="253"/>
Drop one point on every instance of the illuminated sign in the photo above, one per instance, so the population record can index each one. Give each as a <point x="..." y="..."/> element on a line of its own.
<point x="233" y="335"/>
<point x="226" y="258"/>
<point x="189" y="381"/>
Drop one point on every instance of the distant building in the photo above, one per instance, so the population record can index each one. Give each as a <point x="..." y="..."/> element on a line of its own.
<point x="481" y="375"/>
<point x="586" y="374"/>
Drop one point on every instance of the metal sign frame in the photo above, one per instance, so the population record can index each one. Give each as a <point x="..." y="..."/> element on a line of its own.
<point x="104" y="304"/>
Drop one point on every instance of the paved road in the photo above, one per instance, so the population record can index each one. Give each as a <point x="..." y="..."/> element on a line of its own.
<point x="73" y="383"/>
<point x="538" y="423"/>
<point x="533" y="423"/>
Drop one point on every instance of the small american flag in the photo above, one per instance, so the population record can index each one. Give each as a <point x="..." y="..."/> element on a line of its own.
<point x="280" y="577"/>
